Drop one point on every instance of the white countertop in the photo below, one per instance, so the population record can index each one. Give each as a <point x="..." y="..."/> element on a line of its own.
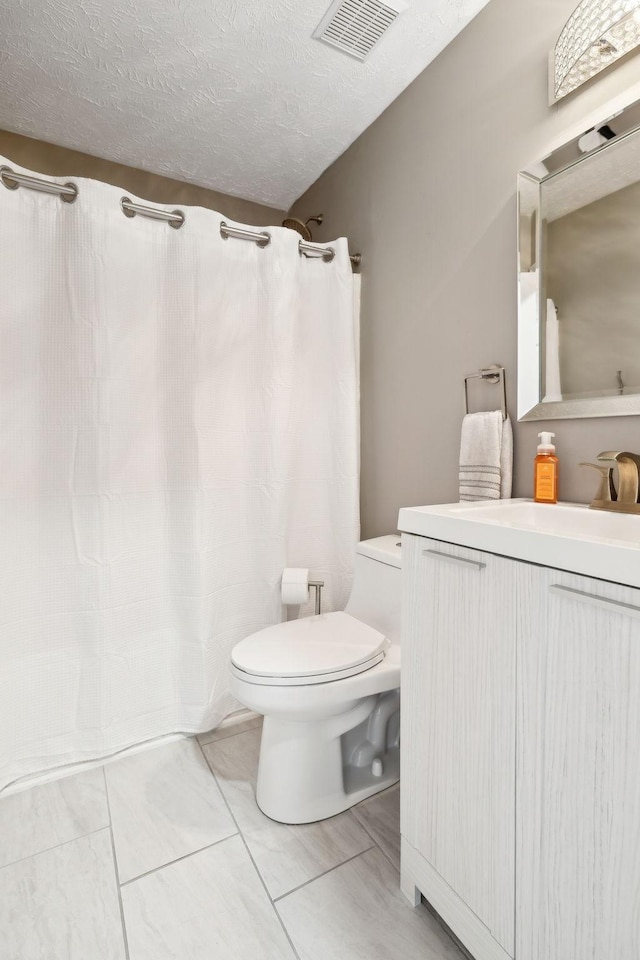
<point x="567" y="536"/>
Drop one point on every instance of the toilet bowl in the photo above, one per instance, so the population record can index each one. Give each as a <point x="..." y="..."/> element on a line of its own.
<point x="328" y="687"/>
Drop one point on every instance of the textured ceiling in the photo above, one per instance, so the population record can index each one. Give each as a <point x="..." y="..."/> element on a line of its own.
<point x="229" y="94"/>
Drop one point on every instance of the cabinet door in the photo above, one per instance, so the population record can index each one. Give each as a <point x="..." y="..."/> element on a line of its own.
<point x="458" y="726"/>
<point x="578" y="769"/>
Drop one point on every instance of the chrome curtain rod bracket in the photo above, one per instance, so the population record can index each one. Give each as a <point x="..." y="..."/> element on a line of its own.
<point x="262" y="238"/>
<point x="175" y="218"/>
<point x="493" y="374"/>
<point x="68" y="192"/>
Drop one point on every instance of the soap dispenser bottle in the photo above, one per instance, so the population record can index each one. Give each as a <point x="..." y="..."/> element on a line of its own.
<point x="545" y="471"/>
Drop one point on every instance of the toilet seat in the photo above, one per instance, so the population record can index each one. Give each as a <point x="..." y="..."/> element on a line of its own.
<point x="312" y="650"/>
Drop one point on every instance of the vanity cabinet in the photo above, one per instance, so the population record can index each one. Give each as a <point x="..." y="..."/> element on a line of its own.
<point x="521" y="754"/>
<point x="458" y="736"/>
<point x="578" y="768"/>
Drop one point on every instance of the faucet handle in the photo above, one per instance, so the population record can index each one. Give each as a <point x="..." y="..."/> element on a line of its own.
<point x="606" y="492"/>
<point x="628" y="465"/>
<point x="616" y="455"/>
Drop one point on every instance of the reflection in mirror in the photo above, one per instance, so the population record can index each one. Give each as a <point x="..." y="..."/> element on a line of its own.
<point x="579" y="277"/>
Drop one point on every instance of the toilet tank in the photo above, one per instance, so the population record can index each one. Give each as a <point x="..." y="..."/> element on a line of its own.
<point x="375" y="595"/>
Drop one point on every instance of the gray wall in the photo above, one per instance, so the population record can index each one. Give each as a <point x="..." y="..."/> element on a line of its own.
<point x="56" y="161"/>
<point x="427" y="195"/>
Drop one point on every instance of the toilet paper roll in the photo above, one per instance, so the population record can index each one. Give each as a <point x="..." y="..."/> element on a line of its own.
<point x="295" y="585"/>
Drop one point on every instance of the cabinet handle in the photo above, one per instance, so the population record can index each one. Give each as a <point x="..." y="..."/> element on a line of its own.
<point x="451" y="558"/>
<point x="613" y="606"/>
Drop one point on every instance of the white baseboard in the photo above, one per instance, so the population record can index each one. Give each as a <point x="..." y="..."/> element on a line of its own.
<point x="240" y="716"/>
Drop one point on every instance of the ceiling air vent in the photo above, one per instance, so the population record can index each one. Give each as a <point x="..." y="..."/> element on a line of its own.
<point x="355" y="26"/>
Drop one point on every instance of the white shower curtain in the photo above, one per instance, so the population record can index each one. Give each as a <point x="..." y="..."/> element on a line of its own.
<point x="178" y="422"/>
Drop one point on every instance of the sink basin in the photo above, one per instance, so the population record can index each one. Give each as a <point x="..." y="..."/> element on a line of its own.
<point x="567" y="536"/>
<point x="560" y="519"/>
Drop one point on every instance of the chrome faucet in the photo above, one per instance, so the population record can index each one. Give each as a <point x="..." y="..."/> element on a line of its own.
<point x="626" y="498"/>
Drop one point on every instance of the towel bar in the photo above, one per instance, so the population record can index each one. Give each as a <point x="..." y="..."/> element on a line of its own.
<point x="493" y="374"/>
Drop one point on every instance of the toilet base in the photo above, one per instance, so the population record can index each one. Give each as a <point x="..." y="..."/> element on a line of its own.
<point x="309" y="771"/>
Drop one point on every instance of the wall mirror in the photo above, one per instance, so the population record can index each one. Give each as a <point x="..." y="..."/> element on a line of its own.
<point x="579" y="276"/>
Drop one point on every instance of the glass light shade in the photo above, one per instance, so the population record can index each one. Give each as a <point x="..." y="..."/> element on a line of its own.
<point x="597" y="33"/>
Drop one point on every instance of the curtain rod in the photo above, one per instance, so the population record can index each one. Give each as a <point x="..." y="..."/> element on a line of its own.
<point x="68" y="192"/>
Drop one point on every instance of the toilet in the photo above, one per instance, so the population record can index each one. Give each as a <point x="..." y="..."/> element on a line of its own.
<point x="328" y="687"/>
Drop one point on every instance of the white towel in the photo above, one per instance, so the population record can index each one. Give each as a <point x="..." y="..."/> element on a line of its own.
<point x="486" y="457"/>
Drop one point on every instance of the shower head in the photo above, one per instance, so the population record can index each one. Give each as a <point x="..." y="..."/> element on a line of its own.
<point x="292" y="223"/>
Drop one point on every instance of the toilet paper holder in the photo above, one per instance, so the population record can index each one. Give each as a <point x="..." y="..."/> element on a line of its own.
<point x="318" y="584"/>
<point x="295" y="588"/>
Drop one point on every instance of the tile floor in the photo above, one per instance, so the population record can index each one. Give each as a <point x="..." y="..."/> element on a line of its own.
<point x="164" y="855"/>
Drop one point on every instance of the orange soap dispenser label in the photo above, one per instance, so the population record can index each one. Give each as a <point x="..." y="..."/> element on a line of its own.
<point x="546" y="480"/>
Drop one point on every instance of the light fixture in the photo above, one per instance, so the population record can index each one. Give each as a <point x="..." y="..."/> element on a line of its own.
<point x="597" y="33"/>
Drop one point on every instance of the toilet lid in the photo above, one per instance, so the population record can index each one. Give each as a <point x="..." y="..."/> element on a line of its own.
<point x="312" y="647"/>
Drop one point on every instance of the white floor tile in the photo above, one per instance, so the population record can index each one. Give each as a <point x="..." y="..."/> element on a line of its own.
<point x="62" y="904"/>
<point x="285" y="856"/>
<point x="230" y="727"/>
<point x="210" y="905"/>
<point x="380" y="816"/>
<point x="50" y="814"/>
<point x="357" y="912"/>
<point x="164" y="805"/>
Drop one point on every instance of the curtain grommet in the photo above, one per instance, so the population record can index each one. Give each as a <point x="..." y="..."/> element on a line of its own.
<point x="6" y="172"/>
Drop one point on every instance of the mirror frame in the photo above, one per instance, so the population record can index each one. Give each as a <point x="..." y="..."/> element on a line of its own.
<point x="530" y="404"/>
